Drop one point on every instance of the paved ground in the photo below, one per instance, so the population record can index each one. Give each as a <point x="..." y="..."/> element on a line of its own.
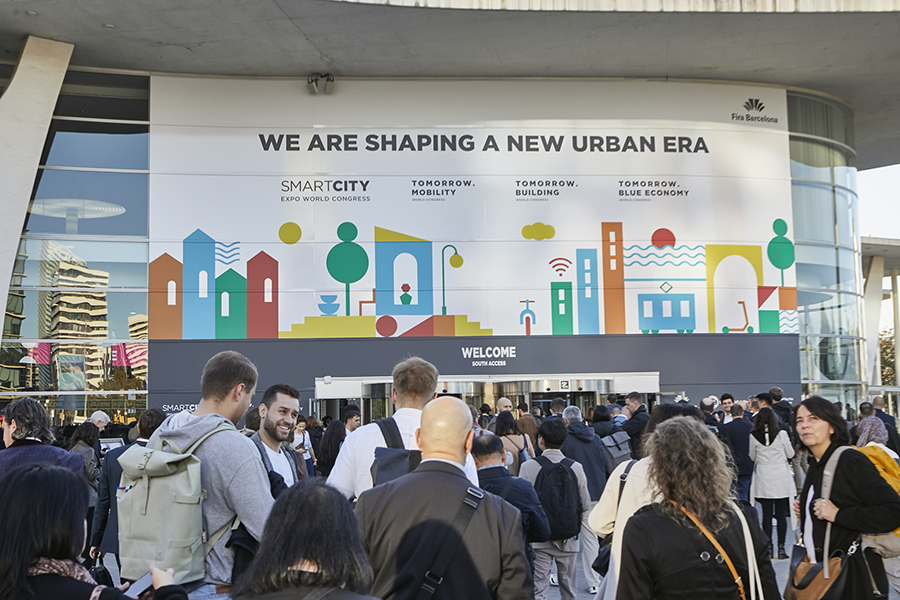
<point x="781" y="572"/>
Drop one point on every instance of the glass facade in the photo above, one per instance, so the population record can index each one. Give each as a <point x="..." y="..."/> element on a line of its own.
<point x="75" y="328"/>
<point x="829" y="281"/>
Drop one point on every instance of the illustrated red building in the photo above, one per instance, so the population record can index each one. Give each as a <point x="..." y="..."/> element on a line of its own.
<point x="262" y="297"/>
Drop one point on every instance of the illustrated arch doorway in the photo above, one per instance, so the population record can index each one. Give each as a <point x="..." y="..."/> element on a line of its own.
<point x="715" y="255"/>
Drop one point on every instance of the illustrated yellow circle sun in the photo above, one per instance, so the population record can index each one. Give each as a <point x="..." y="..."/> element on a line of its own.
<point x="290" y="233"/>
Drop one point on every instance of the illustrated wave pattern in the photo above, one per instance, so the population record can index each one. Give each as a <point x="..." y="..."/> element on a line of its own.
<point x="788" y="321"/>
<point x="228" y="253"/>
<point x="644" y="256"/>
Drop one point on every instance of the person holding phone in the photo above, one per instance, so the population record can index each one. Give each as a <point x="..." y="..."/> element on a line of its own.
<point x="42" y="533"/>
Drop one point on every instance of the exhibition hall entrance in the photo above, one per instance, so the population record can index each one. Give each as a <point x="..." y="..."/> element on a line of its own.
<point x="373" y="394"/>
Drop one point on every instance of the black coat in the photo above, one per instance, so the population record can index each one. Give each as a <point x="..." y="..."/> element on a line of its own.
<point x="583" y="445"/>
<point x="635" y="428"/>
<point x="866" y="503"/>
<point x="105" y="528"/>
<point x="303" y="591"/>
<point x="522" y="496"/>
<point x="57" y="586"/>
<point x="605" y="428"/>
<point x="738" y="434"/>
<point x="662" y="559"/>
<point x="405" y="521"/>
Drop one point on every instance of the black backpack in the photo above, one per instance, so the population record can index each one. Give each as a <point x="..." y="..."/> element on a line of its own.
<point x="557" y="489"/>
<point x="395" y="460"/>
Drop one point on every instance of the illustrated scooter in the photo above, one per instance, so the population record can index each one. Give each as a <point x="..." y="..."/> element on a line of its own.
<point x="747" y="327"/>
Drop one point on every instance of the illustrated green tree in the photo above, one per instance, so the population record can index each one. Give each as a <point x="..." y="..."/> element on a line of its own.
<point x="886" y="347"/>
<point x="347" y="262"/>
<point x="780" y="249"/>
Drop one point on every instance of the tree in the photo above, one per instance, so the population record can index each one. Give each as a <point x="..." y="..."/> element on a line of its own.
<point x="886" y="344"/>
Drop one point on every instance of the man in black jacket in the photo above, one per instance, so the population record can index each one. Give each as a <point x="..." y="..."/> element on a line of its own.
<point x="634" y="426"/>
<point x="583" y="445"/>
<point x="738" y="434"/>
<point x="105" y="528"/>
<point x="407" y="521"/>
<point x="493" y="477"/>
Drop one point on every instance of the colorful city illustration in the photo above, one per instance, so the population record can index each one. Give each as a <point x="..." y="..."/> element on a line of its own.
<point x="657" y="286"/>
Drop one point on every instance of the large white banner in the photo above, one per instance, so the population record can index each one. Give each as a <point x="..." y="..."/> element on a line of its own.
<point x="458" y="208"/>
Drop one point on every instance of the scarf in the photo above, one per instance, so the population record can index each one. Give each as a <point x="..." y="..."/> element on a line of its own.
<point x="64" y="568"/>
<point x="871" y="429"/>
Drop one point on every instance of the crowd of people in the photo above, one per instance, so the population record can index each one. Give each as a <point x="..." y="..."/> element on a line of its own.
<point x="444" y="501"/>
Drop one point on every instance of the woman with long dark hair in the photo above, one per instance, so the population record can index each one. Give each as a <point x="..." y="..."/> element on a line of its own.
<point x="310" y="544"/>
<point x="83" y="441"/>
<point x="692" y="541"/>
<point x="861" y="500"/>
<point x="514" y="441"/>
<point x="42" y="532"/>
<point x="772" y="484"/>
<point x="602" y="422"/>
<point x="331" y="445"/>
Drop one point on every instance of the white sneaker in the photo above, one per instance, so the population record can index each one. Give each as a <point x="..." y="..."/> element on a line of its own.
<point x="592" y="589"/>
<point x="553" y="580"/>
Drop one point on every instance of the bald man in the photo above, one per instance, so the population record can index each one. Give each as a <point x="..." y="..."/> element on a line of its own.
<point x="407" y="521"/>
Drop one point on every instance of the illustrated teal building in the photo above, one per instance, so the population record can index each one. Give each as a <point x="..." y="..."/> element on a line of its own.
<point x="588" y="289"/>
<point x="199" y="287"/>
<point x="231" y="306"/>
<point x="561" y="307"/>
<point x="389" y="246"/>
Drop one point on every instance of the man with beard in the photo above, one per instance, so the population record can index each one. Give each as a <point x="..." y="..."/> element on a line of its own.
<point x="278" y="412"/>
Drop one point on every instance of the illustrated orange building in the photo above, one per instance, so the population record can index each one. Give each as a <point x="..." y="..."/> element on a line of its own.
<point x="613" y="278"/>
<point x="164" y="301"/>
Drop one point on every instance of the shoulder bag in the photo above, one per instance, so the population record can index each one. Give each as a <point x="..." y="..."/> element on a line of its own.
<point x="601" y="563"/>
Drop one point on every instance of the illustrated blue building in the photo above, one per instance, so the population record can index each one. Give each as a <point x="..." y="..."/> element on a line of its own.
<point x="199" y="287"/>
<point x="389" y="246"/>
<point x="588" y="289"/>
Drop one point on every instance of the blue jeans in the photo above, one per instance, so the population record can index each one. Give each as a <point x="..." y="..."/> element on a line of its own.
<point x="742" y="487"/>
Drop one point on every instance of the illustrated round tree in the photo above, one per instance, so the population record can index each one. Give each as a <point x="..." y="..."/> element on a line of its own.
<point x="780" y="249"/>
<point x="347" y="262"/>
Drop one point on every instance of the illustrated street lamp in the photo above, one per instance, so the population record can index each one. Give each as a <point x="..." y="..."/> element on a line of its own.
<point x="456" y="262"/>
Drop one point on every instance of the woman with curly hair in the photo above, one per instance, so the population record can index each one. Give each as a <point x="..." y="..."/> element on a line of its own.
<point x="668" y="550"/>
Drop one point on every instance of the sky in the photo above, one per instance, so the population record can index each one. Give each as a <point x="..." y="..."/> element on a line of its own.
<point x="879" y="214"/>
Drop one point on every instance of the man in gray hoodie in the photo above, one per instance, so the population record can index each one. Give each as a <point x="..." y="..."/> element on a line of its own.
<point x="232" y="472"/>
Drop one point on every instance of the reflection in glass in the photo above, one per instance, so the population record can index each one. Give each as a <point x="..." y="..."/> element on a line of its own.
<point x="97" y="145"/>
<point x="73" y="366"/>
<point x="124" y="262"/>
<point x="816" y="266"/>
<point x="65" y="408"/>
<point x="813" y="212"/>
<point x="91" y="202"/>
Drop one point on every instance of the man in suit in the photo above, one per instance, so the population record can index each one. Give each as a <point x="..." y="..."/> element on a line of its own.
<point x="105" y="529"/>
<point x="27" y="434"/>
<point x="407" y="521"/>
<point x="738" y="434"/>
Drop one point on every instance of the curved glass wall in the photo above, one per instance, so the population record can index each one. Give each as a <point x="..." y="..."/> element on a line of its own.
<point x="829" y="288"/>
<point x="75" y="329"/>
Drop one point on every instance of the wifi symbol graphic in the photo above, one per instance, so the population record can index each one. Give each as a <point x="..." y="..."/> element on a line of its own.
<point x="560" y="265"/>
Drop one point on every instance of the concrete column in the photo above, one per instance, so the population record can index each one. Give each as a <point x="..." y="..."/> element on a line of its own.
<point x="25" y="111"/>
<point x="873" y="296"/>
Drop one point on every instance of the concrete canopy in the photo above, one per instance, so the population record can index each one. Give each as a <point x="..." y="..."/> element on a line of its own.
<point x="851" y="55"/>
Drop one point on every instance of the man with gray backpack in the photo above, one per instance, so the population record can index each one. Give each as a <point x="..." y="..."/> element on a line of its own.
<point x="196" y="480"/>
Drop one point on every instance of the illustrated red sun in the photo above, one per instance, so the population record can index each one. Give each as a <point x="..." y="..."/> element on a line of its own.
<point x="663" y="237"/>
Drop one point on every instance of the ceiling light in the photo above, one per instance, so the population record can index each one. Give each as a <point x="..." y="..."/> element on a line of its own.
<point x="32" y="13"/>
<point x="109" y="26"/>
